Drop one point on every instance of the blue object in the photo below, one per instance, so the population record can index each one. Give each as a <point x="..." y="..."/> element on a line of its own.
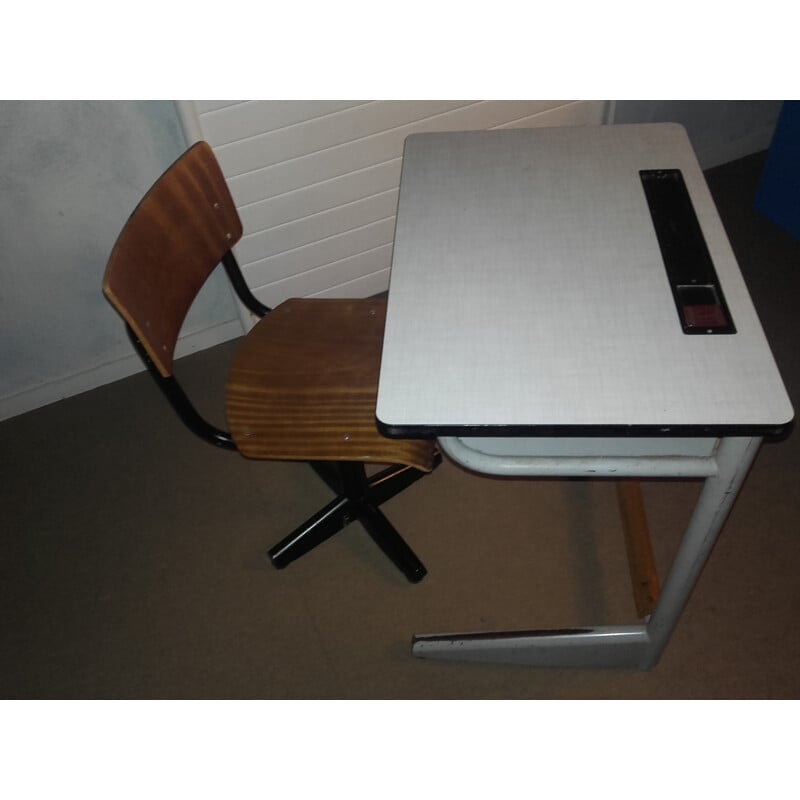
<point x="778" y="196"/>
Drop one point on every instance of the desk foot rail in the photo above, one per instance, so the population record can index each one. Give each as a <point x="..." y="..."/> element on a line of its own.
<point x="609" y="646"/>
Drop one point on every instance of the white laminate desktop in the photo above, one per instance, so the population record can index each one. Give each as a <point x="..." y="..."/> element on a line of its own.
<point x="528" y="289"/>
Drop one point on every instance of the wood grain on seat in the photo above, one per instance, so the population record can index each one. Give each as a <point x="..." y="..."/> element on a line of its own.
<point x="304" y="382"/>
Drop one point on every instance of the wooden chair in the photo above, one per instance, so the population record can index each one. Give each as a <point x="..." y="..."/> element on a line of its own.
<point x="303" y="383"/>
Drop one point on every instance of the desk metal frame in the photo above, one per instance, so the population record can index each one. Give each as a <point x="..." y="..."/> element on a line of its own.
<point x="531" y="304"/>
<point x="633" y="646"/>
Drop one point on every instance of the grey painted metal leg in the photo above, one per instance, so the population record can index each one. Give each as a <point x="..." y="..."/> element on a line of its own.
<point x="734" y="459"/>
<point x="632" y="646"/>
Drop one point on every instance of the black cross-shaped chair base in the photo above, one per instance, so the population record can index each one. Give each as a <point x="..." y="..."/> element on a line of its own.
<point x="358" y="497"/>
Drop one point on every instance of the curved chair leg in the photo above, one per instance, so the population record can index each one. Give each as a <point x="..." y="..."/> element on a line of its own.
<point x="358" y="499"/>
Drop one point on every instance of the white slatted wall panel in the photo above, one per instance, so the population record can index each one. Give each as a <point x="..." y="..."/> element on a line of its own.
<point x="316" y="182"/>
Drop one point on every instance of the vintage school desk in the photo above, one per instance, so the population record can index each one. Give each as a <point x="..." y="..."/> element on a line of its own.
<point x="562" y="302"/>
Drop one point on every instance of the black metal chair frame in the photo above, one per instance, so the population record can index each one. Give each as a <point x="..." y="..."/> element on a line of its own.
<point x="358" y="496"/>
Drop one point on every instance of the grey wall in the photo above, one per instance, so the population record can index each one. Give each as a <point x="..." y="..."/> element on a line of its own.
<point x="720" y="130"/>
<point x="70" y="174"/>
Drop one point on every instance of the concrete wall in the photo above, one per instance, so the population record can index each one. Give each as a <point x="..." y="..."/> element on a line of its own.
<point x="70" y="174"/>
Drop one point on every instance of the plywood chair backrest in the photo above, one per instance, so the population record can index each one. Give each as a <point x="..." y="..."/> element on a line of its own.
<point x="172" y="241"/>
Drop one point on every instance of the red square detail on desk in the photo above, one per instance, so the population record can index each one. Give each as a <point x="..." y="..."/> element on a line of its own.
<point x="704" y="316"/>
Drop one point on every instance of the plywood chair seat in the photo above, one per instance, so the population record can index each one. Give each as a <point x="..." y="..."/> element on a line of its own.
<point x="302" y="384"/>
